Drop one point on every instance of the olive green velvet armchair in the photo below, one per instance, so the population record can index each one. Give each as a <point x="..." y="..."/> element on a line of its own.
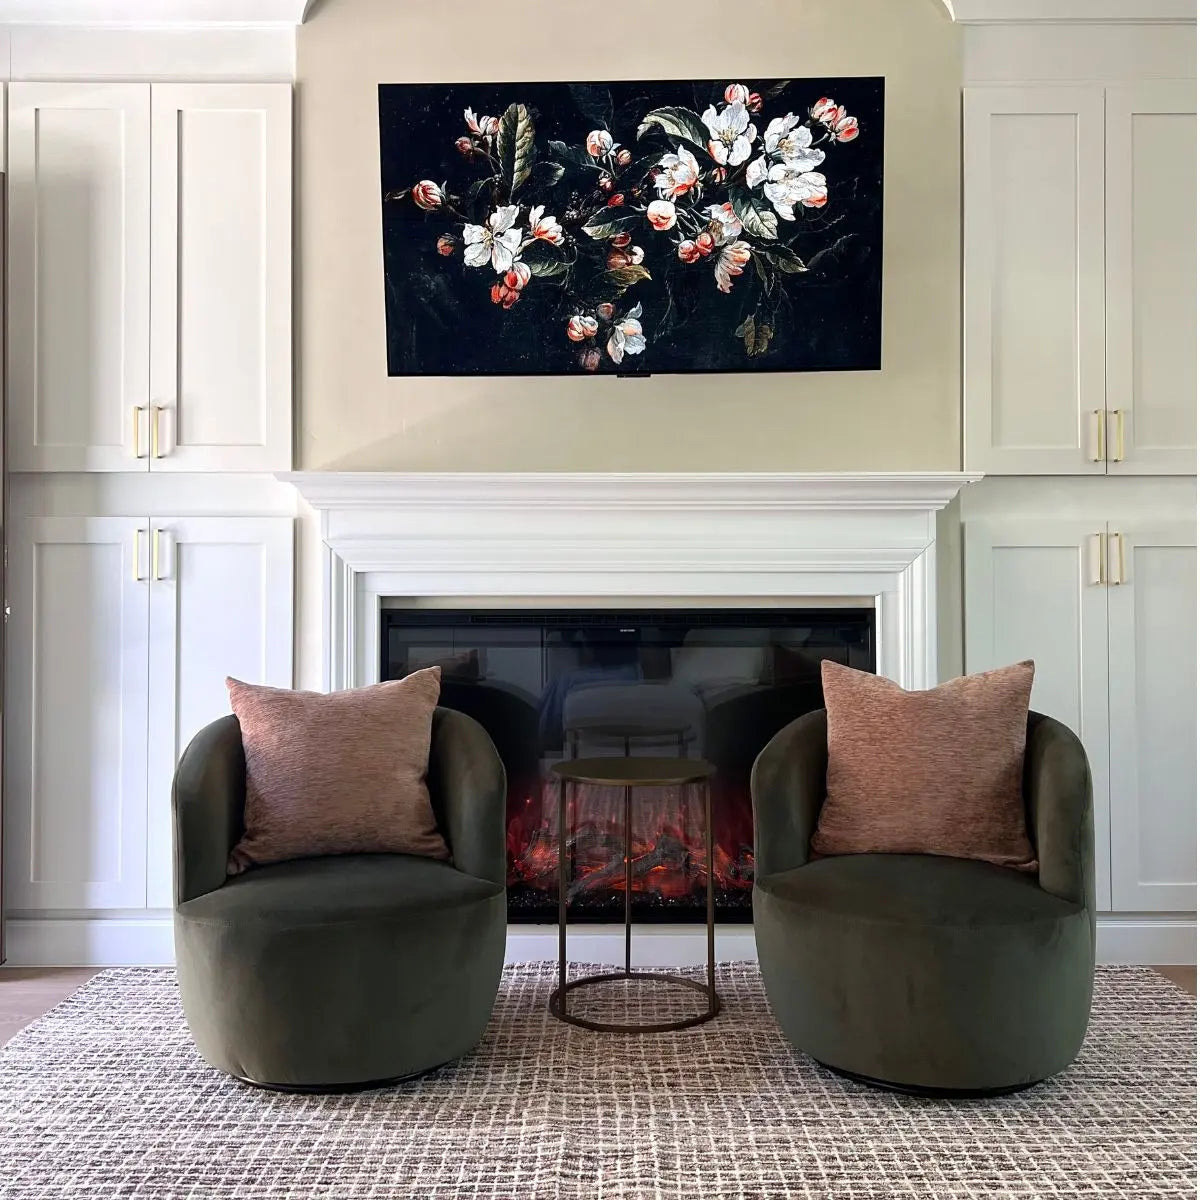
<point x="329" y="974"/>
<point x="940" y="975"/>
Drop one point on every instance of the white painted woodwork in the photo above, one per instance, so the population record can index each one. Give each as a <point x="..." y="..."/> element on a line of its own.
<point x="1085" y="12"/>
<point x="1031" y="591"/>
<point x="1150" y="294"/>
<point x="155" y="13"/>
<point x="220" y="604"/>
<point x="1152" y="672"/>
<point x="221" y="246"/>
<point x="75" y="786"/>
<point x="78" y="274"/>
<point x="1033" y="293"/>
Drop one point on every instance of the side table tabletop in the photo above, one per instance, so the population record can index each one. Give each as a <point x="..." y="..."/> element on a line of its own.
<point x="628" y="774"/>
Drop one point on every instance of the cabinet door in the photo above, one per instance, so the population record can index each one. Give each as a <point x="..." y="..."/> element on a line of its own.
<point x="220" y="353"/>
<point x="78" y="276"/>
<point x="220" y="604"/>
<point x="1032" y="590"/>
<point x="1033" y="279"/>
<point x="1150" y="192"/>
<point x="76" y="718"/>
<point x="1152" y="678"/>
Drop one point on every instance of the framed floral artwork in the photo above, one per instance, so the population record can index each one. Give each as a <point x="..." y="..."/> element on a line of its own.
<point x="632" y="227"/>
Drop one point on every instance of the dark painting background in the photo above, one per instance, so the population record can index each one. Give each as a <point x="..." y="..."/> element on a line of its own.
<point x="440" y="317"/>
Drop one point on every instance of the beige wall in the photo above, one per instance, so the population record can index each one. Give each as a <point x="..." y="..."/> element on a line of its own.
<point x="353" y="417"/>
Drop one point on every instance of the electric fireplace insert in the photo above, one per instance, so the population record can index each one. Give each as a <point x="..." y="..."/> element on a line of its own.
<point x="697" y="683"/>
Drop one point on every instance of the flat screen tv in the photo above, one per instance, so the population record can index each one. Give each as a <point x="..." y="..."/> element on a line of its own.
<point x="632" y="227"/>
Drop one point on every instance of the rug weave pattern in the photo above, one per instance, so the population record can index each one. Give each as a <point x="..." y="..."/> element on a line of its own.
<point x="105" y="1098"/>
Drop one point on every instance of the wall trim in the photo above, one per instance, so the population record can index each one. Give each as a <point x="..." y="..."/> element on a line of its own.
<point x="149" y="14"/>
<point x="1085" y="12"/>
<point x="1151" y="940"/>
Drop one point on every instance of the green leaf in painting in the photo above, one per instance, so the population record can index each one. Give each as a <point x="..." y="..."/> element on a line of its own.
<point x="625" y="277"/>
<point x="515" y="145"/>
<point x="545" y="175"/>
<point x="604" y="225"/>
<point x="784" y="259"/>
<point x="676" y="123"/>
<point x="755" y="216"/>
<point x="546" y="261"/>
<point x="575" y="156"/>
<point x="756" y="335"/>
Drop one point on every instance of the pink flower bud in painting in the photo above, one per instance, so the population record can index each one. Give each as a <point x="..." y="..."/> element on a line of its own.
<point x="825" y="110"/>
<point x="579" y="329"/>
<point x="427" y="195"/>
<point x="661" y="214"/>
<point x="718" y="174"/>
<point x="447" y="244"/>
<point x="605" y="311"/>
<point x="504" y="295"/>
<point x="621" y="241"/>
<point x="624" y="158"/>
<point x="616" y="200"/>
<point x="618" y="259"/>
<point x="599" y="143"/>
<point x="846" y="130"/>
<point x="489" y="126"/>
<point x="517" y="276"/>
<point x="606" y="183"/>
<point x="754" y="102"/>
<point x="706" y="243"/>
<point x="737" y="93"/>
<point x="589" y="359"/>
<point x="464" y="146"/>
<point x="688" y="251"/>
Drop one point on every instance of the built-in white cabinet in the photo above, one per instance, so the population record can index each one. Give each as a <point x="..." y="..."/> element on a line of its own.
<point x="149" y="278"/>
<point x="121" y="633"/>
<point x="1079" y="306"/>
<point x="1106" y="609"/>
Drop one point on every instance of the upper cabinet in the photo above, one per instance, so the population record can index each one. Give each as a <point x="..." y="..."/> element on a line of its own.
<point x="1079" y="236"/>
<point x="149" y="277"/>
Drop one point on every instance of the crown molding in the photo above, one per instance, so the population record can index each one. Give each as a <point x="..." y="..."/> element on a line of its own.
<point x="1066" y="12"/>
<point x="155" y="14"/>
<point x="630" y="491"/>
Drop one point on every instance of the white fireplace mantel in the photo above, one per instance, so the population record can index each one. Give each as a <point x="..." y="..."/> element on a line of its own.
<point x="591" y="536"/>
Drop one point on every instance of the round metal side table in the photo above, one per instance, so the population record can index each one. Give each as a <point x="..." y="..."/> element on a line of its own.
<point x="627" y="774"/>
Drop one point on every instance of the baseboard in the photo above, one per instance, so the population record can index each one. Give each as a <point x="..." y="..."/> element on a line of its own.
<point x="1162" y="940"/>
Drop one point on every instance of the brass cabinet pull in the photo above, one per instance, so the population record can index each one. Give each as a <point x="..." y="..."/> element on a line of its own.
<point x="1119" y="456"/>
<point x="137" y="555"/>
<point x="137" y="430"/>
<point x="1120" y="577"/>
<point x="1098" y="413"/>
<point x="1100" y="578"/>
<point x="155" y="451"/>
<point x="154" y="574"/>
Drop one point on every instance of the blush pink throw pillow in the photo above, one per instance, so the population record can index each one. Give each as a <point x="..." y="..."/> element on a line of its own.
<point x="337" y="773"/>
<point x="932" y="772"/>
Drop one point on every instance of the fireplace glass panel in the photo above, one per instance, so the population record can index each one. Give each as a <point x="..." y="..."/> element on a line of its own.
<point x="698" y="683"/>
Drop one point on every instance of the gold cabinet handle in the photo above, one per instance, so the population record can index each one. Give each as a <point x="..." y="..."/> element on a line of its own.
<point x="137" y="430"/>
<point x="1098" y="413"/>
<point x="137" y="555"/>
<point x="1120" y="577"/>
<point x="1119" y="456"/>
<point x="154" y="573"/>
<point x="155" y="451"/>
<point x="1100" y="578"/>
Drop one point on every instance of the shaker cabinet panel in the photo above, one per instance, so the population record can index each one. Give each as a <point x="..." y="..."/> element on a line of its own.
<point x="75" y="784"/>
<point x="78" y="276"/>
<point x="220" y="604"/>
<point x="1032" y="590"/>
<point x="1150" y="197"/>
<point x="221" y="244"/>
<point x="1033" y="262"/>
<point x="1152" y="656"/>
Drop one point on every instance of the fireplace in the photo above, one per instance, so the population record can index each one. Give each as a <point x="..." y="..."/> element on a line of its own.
<point x="551" y="684"/>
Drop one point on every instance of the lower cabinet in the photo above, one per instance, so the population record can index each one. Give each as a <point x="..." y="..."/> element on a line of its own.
<point x="1106" y="609"/>
<point x="121" y="633"/>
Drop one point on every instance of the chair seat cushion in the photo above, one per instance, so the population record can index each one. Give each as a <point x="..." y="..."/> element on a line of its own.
<point x="343" y="888"/>
<point x="916" y="889"/>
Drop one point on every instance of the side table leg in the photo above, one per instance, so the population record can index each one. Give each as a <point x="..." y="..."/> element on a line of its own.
<point x="712" y="953"/>
<point x="628" y="876"/>
<point x="562" y="895"/>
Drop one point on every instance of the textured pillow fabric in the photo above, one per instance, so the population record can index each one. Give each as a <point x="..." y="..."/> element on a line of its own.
<point x="935" y="772"/>
<point x="342" y="773"/>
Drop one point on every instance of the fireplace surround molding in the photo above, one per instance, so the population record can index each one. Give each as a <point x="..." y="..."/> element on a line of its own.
<point x="767" y="536"/>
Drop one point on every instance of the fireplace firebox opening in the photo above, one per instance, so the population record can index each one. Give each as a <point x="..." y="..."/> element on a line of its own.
<point x="552" y="684"/>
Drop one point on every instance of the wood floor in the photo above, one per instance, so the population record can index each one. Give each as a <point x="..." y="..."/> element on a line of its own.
<point x="28" y="992"/>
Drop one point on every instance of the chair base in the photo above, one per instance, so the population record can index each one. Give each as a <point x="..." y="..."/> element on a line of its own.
<point x="930" y="1093"/>
<point x="337" y="1089"/>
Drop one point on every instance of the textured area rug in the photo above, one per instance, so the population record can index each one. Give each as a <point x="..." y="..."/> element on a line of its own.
<point x="105" y="1097"/>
